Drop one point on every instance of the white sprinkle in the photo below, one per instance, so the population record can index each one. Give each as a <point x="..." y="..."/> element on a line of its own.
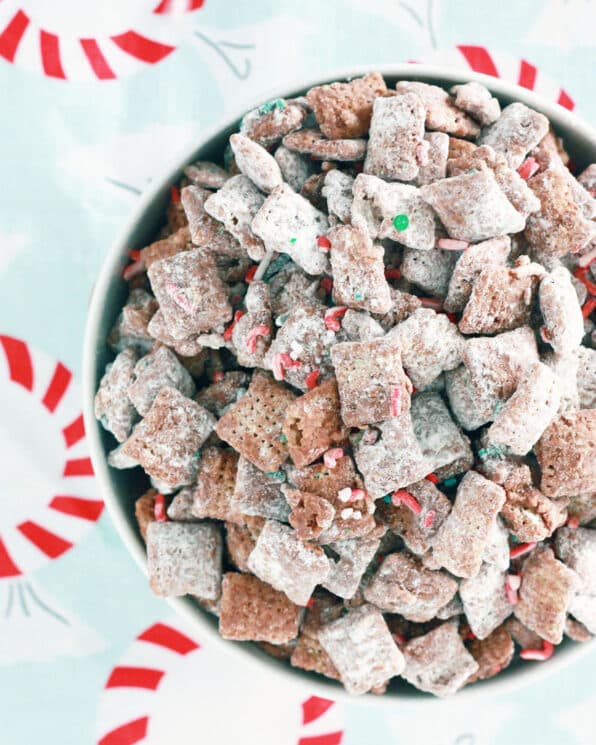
<point x="344" y="495"/>
<point x="357" y="515"/>
<point x="346" y="513"/>
<point x="370" y="507"/>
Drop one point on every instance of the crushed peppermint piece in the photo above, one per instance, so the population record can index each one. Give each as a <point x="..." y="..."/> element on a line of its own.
<point x="253" y="335"/>
<point x="528" y="168"/>
<point x="539" y="655"/>
<point x="324" y="243"/>
<point x="330" y="457"/>
<point x="332" y="317"/>
<point x="400" y="496"/>
<point x="312" y="379"/>
<point x="159" y="509"/>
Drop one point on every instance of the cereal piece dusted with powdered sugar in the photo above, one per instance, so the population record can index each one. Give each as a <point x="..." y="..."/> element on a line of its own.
<point x="295" y="168"/>
<point x="203" y="228"/>
<point x="462" y="539"/>
<point x="577" y="549"/>
<point x="337" y="190"/>
<point x="288" y="564"/>
<point x="358" y="271"/>
<point x="403" y="305"/>
<point x="252" y="610"/>
<point x="472" y="207"/>
<point x="251" y="337"/>
<point x="441" y="113"/>
<point x="184" y="558"/>
<point x="218" y="396"/>
<point x="353" y="557"/>
<point x="566" y="453"/>
<point x="442" y="443"/>
<point x="216" y="478"/>
<point x="453" y="608"/>
<point x="312" y="424"/>
<point x="310" y="514"/>
<point x="517" y="131"/>
<point x="394" y="459"/>
<point x="583" y="507"/>
<point x="430" y="344"/>
<point x="256" y="163"/>
<point x="362" y="649"/>
<point x="497" y="364"/>
<point x="301" y="347"/>
<point x="522" y="635"/>
<point x="273" y="120"/>
<point x="166" y="441"/>
<point x="485" y="601"/>
<point x="547" y="589"/>
<point x="560" y="225"/>
<point x="477" y="101"/>
<point x="312" y="142"/>
<point x="372" y="384"/>
<point x="153" y="372"/>
<point x="395" y="211"/>
<point x="524" y="417"/>
<point x="396" y="134"/>
<point x="240" y="542"/>
<point x="501" y="298"/>
<point x="113" y="406"/>
<point x="563" y="322"/>
<point x="191" y="296"/>
<point x="344" y="109"/>
<point x="586" y="377"/>
<point x="180" y="508"/>
<point x="253" y="426"/>
<point x="187" y="347"/>
<point x="469" y="265"/>
<point x="469" y="408"/>
<point x="288" y="223"/>
<point x="402" y="585"/>
<point x="416" y="528"/>
<point x="496" y="551"/>
<point x="438" y="662"/>
<point x="360" y="326"/>
<point x="429" y="270"/>
<point x="529" y="514"/>
<point x="206" y="175"/>
<point x="258" y="493"/>
<point x="492" y="654"/>
<point x="433" y="163"/>
<point x="235" y="205"/>
<point x="130" y="329"/>
<point x="169" y="246"/>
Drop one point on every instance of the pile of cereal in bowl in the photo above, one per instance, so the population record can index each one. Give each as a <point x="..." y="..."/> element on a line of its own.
<point x="357" y="367"/>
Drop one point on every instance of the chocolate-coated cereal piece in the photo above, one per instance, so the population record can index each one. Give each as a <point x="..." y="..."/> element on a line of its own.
<point x="154" y="371"/>
<point x="492" y="654"/>
<point x="145" y="511"/>
<point x="206" y="175"/>
<point x="353" y="557"/>
<point x="295" y="168"/>
<point x="337" y="190"/>
<point x="442" y="114"/>
<point x="256" y="163"/>
<point x="312" y="142"/>
<point x="270" y="122"/>
<point x="258" y="493"/>
<point x="517" y="131"/>
<point x="216" y="478"/>
<point x="477" y="101"/>
<point x="112" y="406"/>
<point x="130" y="329"/>
<point x="485" y="601"/>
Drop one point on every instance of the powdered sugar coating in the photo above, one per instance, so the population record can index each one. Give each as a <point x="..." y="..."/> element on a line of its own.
<point x="468" y="408"/>
<point x="288" y="564"/>
<point x="337" y="190"/>
<point x="153" y="372"/>
<point x="258" y="494"/>
<point x="256" y="163"/>
<point x="477" y="101"/>
<point x="515" y="133"/>
<point x="206" y="175"/>
<point x="353" y="557"/>
<point x="294" y="168"/>
<point x="112" y="405"/>
<point x="564" y="325"/>
<point x="429" y="270"/>
<point x="435" y="167"/>
<point x="469" y="265"/>
<point x="577" y="549"/>
<point x="362" y="649"/>
<point x="441" y="113"/>
<point x="586" y="377"/>
<point x="485" y="603"/>
<point x="130" y="329"/>
<point x="312" y="142"/>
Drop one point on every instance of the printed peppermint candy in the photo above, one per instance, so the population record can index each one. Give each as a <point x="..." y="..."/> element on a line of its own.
<point x="86" y="41"/>
<point x="49" y="493"/>
<point x="151" y="697"/>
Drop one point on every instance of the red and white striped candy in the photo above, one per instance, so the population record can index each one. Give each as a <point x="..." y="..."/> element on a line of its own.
<point x="49" y="498"/>
<point x="165" y="690"/>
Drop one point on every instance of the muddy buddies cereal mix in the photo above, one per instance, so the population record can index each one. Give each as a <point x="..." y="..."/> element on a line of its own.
<point x="357" y="369"/>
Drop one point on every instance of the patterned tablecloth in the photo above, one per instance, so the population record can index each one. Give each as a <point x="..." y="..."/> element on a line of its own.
<point x="95" y="97"/>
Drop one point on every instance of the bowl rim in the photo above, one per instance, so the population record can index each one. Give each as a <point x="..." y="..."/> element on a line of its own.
<point x="561" y="117"/>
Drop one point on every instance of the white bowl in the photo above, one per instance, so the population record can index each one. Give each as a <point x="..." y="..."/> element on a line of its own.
<point x="121" y="488"/>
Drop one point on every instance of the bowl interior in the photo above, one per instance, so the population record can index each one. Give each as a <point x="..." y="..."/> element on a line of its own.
<point x="121" y="488"/>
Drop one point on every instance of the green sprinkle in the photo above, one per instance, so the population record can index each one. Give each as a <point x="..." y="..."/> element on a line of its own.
<point x="493" y="451"/>
<point x="358" y="296"/>
<point x="283" y="438"/>
<point x="197" y="454"/>
<point x="450" y="482"/>
<point x="292" y="240"/>
<point x="498" y="407"/>
<point x="401" y="222"/>
<point x="277" y="475"/>
<point x="221" y="231"/>
<point x="277" y="103"/>
<point x="280" y="320"/>
<point x="387" y="498"/>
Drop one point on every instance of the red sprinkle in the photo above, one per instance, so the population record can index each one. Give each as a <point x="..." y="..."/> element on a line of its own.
<point x="399" y="639"/>
<point x="227" y="334"/>
<point x="395" y="404"/>
<point x="587" y="259"/>
<point x="327" y="284"/>
<point x="544" y="334"/>
<point x="253" y="335"/>
<point x="250" y="274"/>
<point x="310" y="603"/>
<point x="134" y="254"/>
<point x="430" y="518"/>
<point x="159" y="510"/>
<point x="573" y="522"/>
<point x="331" y="457"/>
<point x="282" y="362"/>
<point x="404" y="497"/>
<point x="312" y="379"/>
<point x="450" y="244"/>
<point x="431" y="302"/>
<point x="332" y="317"/>
<point x="433" y="478"/>
<point x="174" y="194"/>
<point x="512" y="585"/>
<point x="521" y="549"/>
<point x="218" y="375"/>
<point x="528" y="168"/>
<point x="133" y="270"/>
<point x="538" y="654"/>
<point x="470" y="635"/>
<point x="324" y="243"/>
<point x="588" y="306"/>
<point x="581" y="273"/>
<point x="392" y="272"/>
